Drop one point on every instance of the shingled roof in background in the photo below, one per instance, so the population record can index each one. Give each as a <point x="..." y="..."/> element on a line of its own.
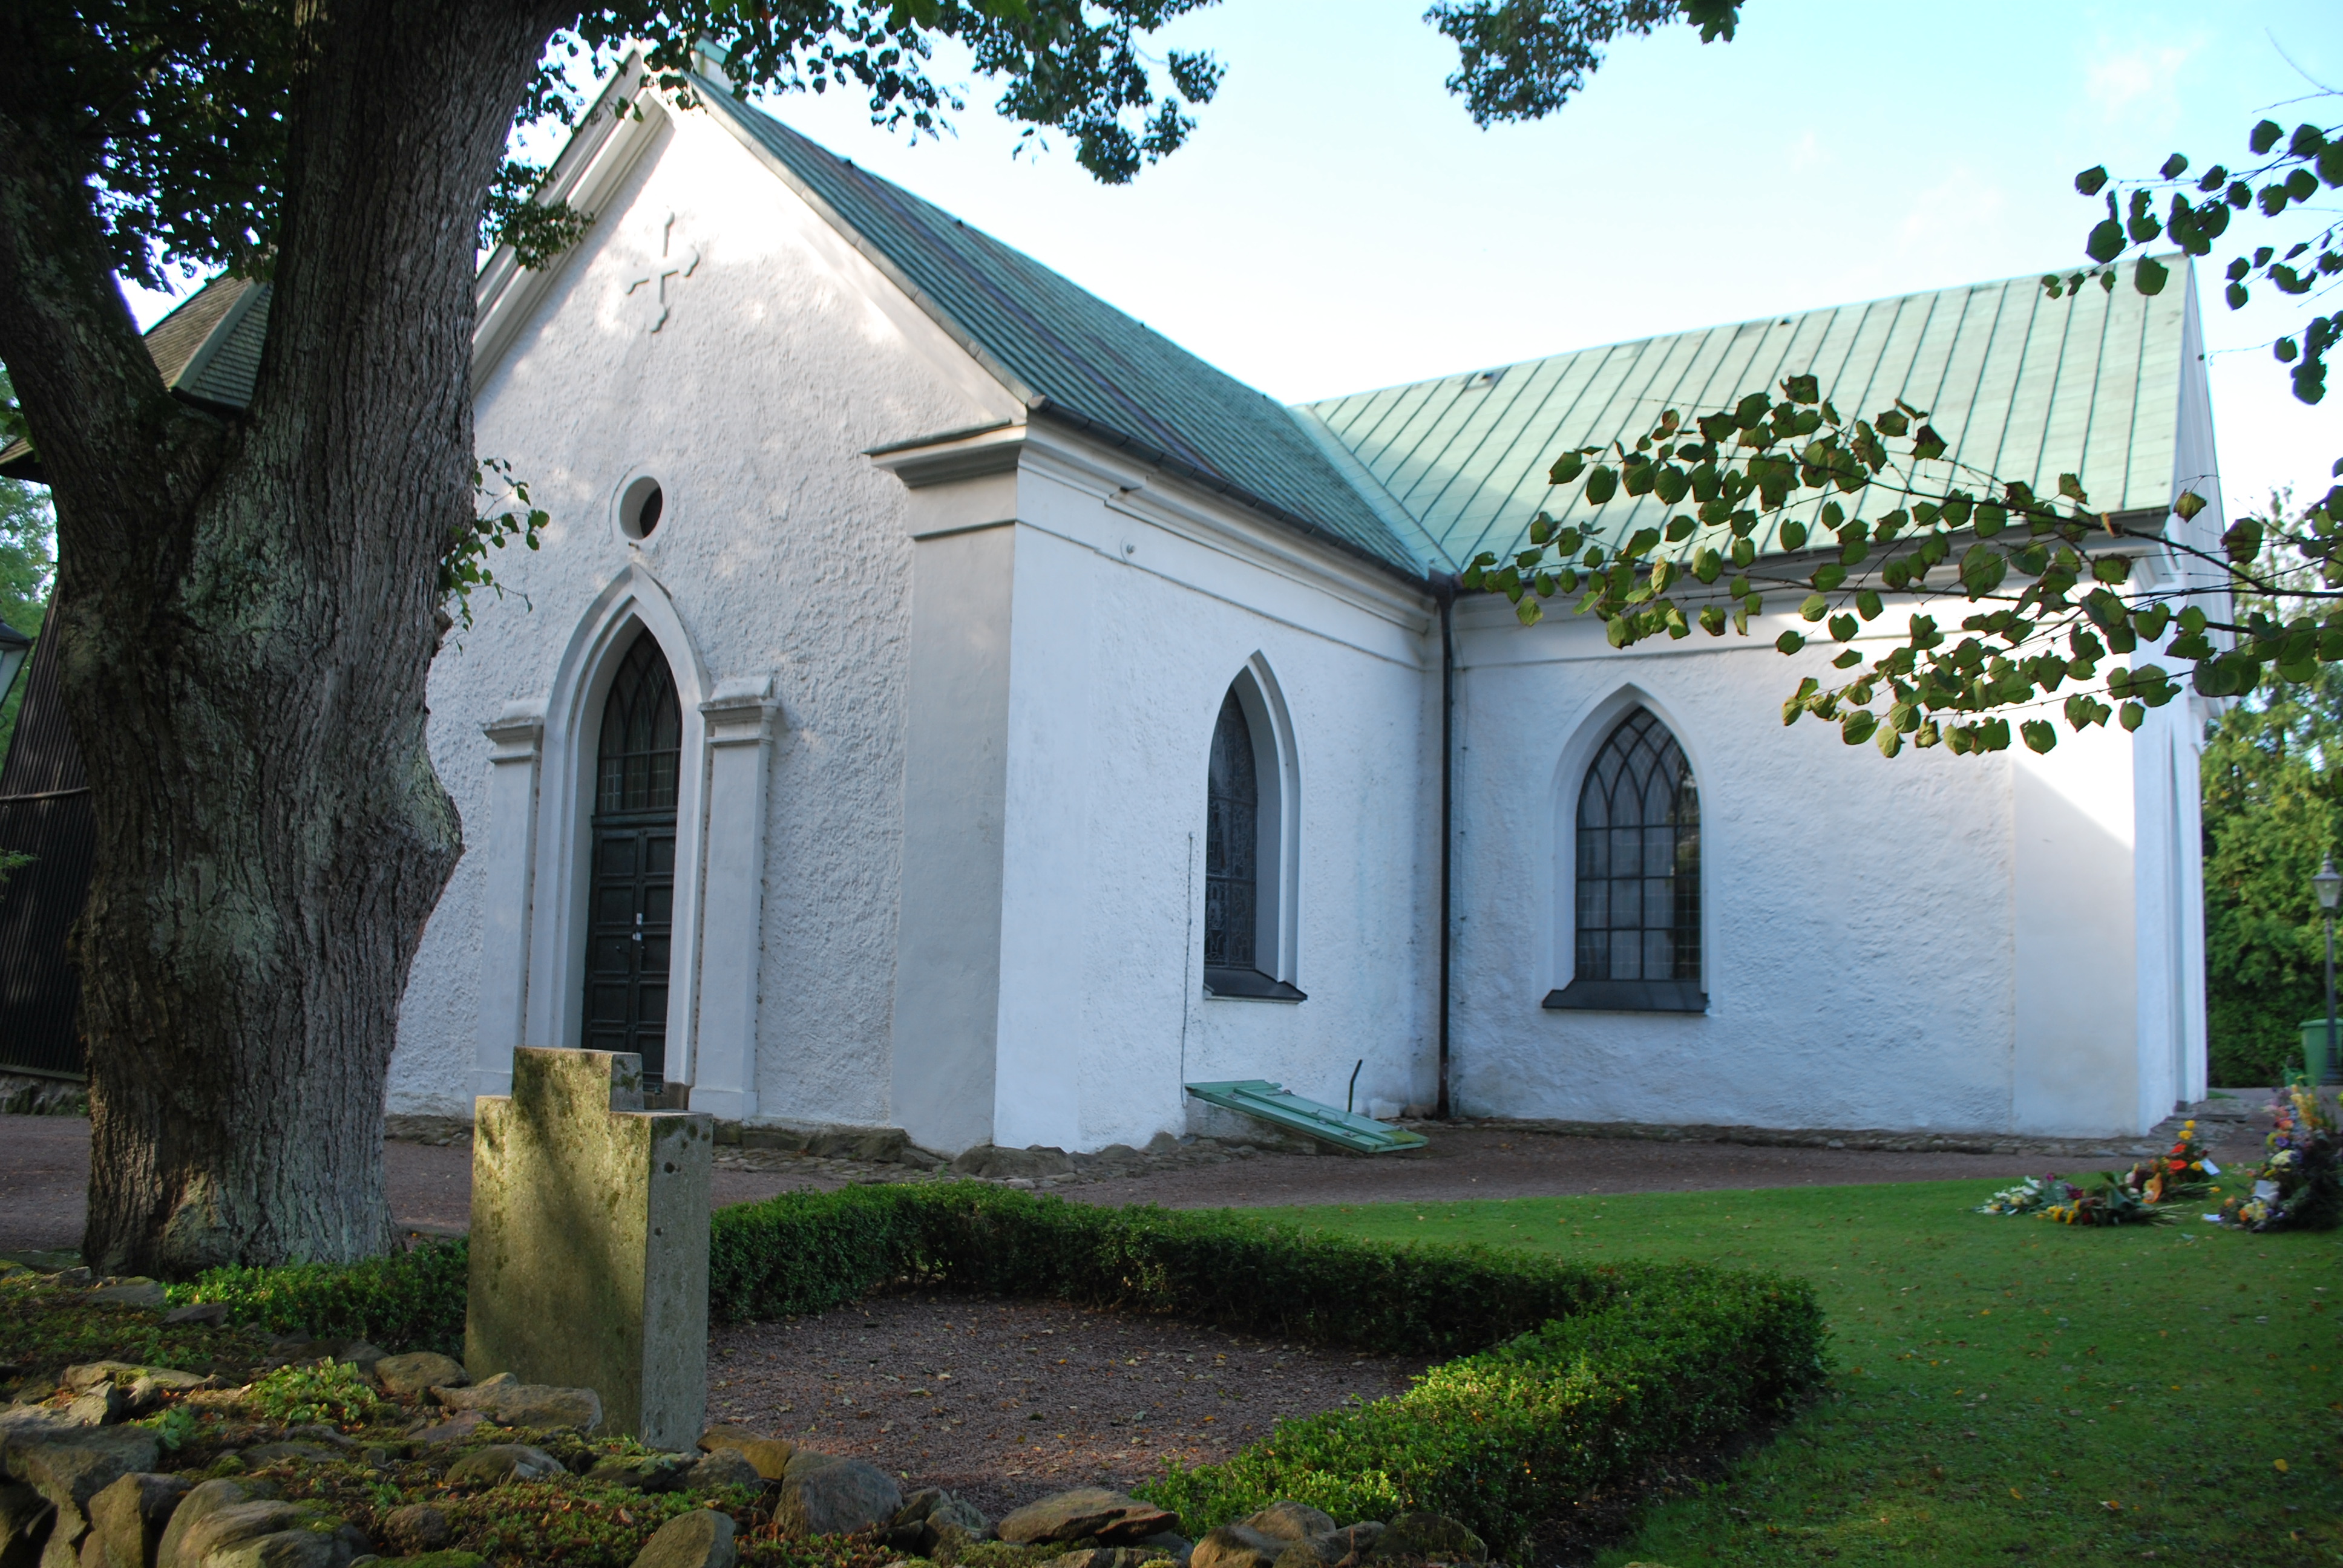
<point x="2023" y="387"/>
<point x="207" y="348"/>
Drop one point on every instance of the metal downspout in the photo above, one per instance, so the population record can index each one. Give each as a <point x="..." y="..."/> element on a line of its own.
<point x="1443" y="589"/>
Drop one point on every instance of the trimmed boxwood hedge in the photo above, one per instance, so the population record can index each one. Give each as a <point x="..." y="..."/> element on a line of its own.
<point x="1569" y="1377"/>
<point x="410" y="1301"/>
<point x="1578" y="1376"/>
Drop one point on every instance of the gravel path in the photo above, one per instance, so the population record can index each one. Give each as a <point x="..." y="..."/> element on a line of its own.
<point x="44" y="1184"/>
<point x="1005" y="1401"/>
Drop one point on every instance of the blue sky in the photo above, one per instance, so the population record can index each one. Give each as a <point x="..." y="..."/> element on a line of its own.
<point x="1339" y="224"/>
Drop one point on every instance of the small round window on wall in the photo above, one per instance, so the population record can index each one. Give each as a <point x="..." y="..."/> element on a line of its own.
<point x="640" y="506"/>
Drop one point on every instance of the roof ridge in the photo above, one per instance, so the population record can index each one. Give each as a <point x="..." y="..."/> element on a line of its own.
<point x="1779" y="318"/>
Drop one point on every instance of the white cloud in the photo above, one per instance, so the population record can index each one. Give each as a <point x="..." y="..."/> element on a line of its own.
<point x="2115" y="81"/>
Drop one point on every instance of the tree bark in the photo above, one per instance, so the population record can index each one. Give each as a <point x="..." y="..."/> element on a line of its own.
<point x="246" y="615"/>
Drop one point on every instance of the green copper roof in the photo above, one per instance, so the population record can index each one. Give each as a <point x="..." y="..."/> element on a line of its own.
<point x="2020" y="384"/>
<point x="1085" y="361"/>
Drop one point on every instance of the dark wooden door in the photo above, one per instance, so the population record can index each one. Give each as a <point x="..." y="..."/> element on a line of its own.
<point x="630" y="912"/>
<point x="628" y="941"/>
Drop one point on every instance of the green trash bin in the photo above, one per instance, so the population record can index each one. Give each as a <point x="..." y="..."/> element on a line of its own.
<point x="2314" y="1047"/>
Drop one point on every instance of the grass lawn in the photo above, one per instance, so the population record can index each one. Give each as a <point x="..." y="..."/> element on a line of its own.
<point x="2005" y="1390"/>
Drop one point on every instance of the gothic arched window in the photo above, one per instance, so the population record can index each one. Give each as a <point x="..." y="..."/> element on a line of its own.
<point x="1246" y="821"/>
<point x="1231" y="844"/>
<point x="1637" y="879"/>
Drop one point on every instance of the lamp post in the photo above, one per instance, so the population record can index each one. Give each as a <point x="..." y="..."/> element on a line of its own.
<point x="2329" y="885"/>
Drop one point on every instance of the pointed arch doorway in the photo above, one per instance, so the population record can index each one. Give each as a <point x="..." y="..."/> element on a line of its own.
<point x="631" y="905"/>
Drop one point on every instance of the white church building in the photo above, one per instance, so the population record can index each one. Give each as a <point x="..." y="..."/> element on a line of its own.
<point x="940" y="702"/>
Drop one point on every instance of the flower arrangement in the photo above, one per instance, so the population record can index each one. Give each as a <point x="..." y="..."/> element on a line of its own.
<point x="2114" y="1202"/>
<point x="2031" y="1196"/>
<point x="2140" y="1196"/>
<point x="2181" y="1172"/>
<point x="2298" y="1186"/>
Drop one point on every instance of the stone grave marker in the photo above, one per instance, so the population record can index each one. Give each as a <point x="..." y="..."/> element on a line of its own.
<point x="589" y="1243"/>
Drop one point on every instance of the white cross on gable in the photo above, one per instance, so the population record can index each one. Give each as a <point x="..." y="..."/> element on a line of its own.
<point x="670" y="265"/>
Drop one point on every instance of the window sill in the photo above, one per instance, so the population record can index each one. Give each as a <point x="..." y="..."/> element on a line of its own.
<point x="1248" y="985"/>
<point x="1628" y="996"/>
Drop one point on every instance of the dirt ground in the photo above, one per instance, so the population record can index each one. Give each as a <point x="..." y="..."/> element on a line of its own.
<point x="1005" y="1401"/>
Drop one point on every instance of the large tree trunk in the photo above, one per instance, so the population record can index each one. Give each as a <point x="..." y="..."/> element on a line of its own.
<point x="247" y="615"/>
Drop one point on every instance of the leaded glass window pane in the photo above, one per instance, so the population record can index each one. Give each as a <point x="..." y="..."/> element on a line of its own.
<point x="1232" y="842"/>
<point x="642" y="734"/>
<point x="1638" y="859"/>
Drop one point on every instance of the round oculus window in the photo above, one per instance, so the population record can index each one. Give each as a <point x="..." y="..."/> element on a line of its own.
<point x="640" y="508"/>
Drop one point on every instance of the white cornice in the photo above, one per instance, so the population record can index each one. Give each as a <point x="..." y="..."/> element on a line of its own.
<point x="1122" y="484"/>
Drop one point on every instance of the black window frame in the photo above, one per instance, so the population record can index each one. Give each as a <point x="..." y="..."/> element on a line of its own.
<point x="1618" y="812"/>
<point x="1236" y="863"/>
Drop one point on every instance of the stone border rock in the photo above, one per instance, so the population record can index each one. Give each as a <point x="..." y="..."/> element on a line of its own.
<point x="874" y="1154"/>
<point x="2243" y="1115"/>
<point x="39" y="1094"/>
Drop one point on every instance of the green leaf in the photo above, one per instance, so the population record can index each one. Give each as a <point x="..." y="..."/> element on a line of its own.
<point x="1816" y="606"/>
<point x="1566" y="467"/>
<point x="1794" y="535"/>
<point x="1602" y="485"/>
<point x="1867" y="605"/>
<point x="2174" y="167"/>
<point x="1858" y="727"/>
<point x="2151" y="276"/>
<point x="1529" y="612"/>
<point x="1803" y="390"/>
<point x="2039" y="733"/>
<point x="2105" y="242"/>
<point x="1789" y="642"/>
<point x="2189" y="504"/>
<point x="2092" y="180"/>
<point x="2131" y="715"/>
<point x="2264" y="136"/>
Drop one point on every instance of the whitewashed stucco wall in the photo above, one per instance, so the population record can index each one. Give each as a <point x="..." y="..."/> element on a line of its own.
<point x="1927" y="943"/>
<point x="1128" y="631"/>
<point x="783" y="357"/>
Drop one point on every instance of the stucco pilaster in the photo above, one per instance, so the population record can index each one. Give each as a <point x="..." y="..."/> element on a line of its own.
<point x="739" y="725"/>
<point x="516" y="741"/>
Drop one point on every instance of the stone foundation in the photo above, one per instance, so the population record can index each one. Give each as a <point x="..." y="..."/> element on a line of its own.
<point x="39" y="1094"/>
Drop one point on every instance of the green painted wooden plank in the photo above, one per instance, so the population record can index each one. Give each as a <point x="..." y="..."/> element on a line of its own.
<point x="1280" y="1107"/>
